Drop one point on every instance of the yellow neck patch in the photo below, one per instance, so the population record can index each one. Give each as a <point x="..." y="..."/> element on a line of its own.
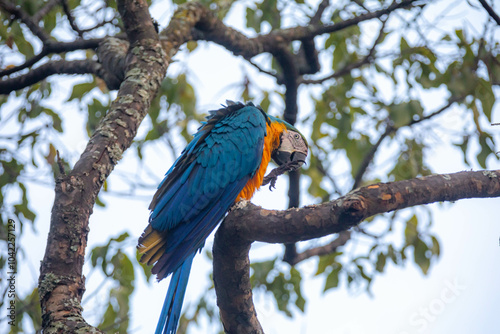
<point x="271" y="142"/>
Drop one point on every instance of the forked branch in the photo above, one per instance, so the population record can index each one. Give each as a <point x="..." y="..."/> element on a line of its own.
<point x="249" y="223"/>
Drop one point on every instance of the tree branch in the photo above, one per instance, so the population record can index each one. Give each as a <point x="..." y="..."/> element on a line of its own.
<point x="212" y="29"/>
<point x="61" y="283"/>
<point x="367" y="159"/>
<point x="32" y="25"/>
<point x="290" y="75"/>
<point x="490" y="11"/>
<point x="391" y="129"/>
<point x="348" y="68"/>
<point x="296" y="33"/>
<point x="54" y="47"/>
<point x="307" y="57"/>
<point x="112" y="54"/>
<point x="40" y="73"/>
<point x="70" y="17"/>
<point x="451" y="100"/>
<point x="248" y="223"/>
<point x="44" y="10"/>
<point x="316" y="18"/>
<point x="204" y="25"/>
<point x="342" y="238"/>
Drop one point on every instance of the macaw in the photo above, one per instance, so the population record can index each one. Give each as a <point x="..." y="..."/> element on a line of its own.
<point x="224" y="163"/>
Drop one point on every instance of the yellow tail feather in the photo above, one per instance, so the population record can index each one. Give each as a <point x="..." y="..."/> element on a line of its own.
<point x="151" y="245"/>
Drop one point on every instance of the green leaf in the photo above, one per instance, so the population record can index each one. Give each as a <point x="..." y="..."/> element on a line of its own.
<point x="79" y="90"/>
<point x="391" y="252"/>
<point x="260" y="271"/>
<point x="340" y="55"/>
<point x="487" y="148"/>
<point x="327" y="261"/>
<point x="20" y="40"/>
<point x="265" y="102"/>
<point x="11" y="170"/>
<point x="410" y="163"/>
<point x="296" y="279"/>
<point x="411" y="233"/>
<point x="95" y="112"/>
<point x="23" y="207"/>
<point x="253" y="20"/>
<point x="146" y="270"/>
<point x="403" y="113"/>
<point x="281" y="294"/>
<point x="403" y="44"/>
<point x="56" y="120"/>
<point x="484" y="93"/>
<point x="435" y="249"/>
<point x="99" y="202"/>
<point x="421" y="256"/>
<point x="380" y="264"/>
<point x="123" y="269"/>
<point x="464" y="147"/>
<point x="332" y="280"/>
<point x="191" y="45"/>
<point x="51" y="156"/>
<point x="363" y="274"/>
<point x="122" y="237"/>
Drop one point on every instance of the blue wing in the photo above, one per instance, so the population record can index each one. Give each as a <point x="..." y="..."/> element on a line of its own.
<point x="202" y="184"/>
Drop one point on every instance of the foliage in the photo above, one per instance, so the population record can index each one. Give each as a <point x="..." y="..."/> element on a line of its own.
<point x="378" y="104"/>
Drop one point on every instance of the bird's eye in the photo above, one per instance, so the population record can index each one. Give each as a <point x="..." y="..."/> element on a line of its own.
<point x="296" y="136"/>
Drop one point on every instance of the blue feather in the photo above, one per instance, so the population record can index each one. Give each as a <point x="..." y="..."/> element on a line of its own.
<point x="198" y="190"/>
<point x="172" y="306"/>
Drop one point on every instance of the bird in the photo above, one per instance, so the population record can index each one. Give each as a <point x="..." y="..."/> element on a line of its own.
<point x="224" y="163"/>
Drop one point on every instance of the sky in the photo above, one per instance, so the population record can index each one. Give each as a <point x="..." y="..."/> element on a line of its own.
<point x="461" y="294"/>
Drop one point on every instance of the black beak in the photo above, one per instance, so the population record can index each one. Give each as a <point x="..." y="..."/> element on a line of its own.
<point x="282" y="158"/>
<point x="299" y="157"/>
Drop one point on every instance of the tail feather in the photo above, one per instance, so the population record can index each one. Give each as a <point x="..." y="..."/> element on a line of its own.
<point x="171" y="311"/>
<point x="151" y="245"/>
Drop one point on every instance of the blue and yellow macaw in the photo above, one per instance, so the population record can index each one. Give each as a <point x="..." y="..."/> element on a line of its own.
<point x="224" y="163"/>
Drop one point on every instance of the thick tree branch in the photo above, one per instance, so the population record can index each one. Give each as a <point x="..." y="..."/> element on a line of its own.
<point x="307" y="57"/>
<point x="61" y="283"/>
<point x="290" y="76"/>
<point x="232" y="284"/>
<point x="248" y="223"/>
<point x="112" y="54"/>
